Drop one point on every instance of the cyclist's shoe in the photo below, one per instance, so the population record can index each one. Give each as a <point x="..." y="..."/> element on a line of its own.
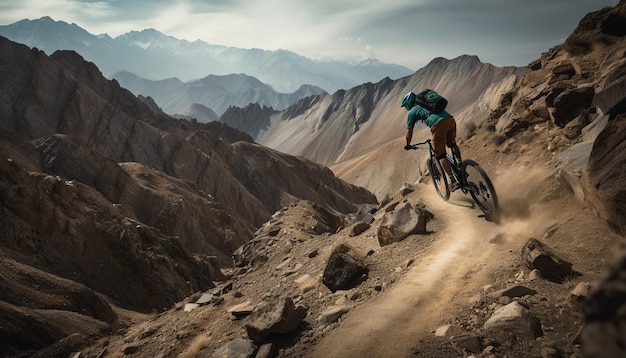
<point x="454" y="185"/>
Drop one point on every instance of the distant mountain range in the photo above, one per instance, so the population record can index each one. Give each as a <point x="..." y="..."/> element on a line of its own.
<point x="214" y="93"/>
<point x="153" y="55"/>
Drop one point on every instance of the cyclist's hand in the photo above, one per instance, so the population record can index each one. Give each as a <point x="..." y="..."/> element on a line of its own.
<point x="408" y="147"/>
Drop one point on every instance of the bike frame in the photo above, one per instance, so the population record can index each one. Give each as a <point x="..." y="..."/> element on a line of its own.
<point x="455" y="166"/>
<point x="480" y="188"/>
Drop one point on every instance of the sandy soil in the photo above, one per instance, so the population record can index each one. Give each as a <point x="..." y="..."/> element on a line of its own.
<point x="472" y="256"/>
<point x="455" y="264"/>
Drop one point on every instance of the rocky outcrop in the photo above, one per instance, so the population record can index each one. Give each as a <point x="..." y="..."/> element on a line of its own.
<point x="569" y="89"/>
<point x="604" y="331"/>
<point x="251" y="119"/>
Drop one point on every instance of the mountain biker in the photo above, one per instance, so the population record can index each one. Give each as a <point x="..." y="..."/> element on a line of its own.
<point x="442" y="127"/>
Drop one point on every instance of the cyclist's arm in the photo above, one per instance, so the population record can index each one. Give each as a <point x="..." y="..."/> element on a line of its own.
<point x="409" y="135"/>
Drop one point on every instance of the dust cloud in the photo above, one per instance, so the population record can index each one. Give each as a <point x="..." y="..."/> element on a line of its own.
<point x="523" y="192"/>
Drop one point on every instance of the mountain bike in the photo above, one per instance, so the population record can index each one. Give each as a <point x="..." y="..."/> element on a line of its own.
<point x="470" y="176"/>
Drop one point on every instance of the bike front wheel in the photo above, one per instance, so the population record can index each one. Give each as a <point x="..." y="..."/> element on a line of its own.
<point x="439" y="177"/>
<point x="480" y="187"/>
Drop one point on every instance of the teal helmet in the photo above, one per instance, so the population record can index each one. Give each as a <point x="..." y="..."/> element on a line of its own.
<point x="409" y="100"/>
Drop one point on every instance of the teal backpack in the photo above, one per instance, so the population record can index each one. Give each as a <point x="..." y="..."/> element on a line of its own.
<point x="431" y="100"/>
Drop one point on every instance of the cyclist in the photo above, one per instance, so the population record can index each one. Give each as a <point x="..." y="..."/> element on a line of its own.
<point x="442" y="127"/>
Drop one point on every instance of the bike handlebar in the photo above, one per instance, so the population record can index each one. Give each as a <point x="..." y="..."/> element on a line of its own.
<point x="414" y="146"/>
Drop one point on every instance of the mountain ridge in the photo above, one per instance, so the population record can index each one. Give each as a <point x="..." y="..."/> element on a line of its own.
<point x="284" y="70"/>
<point x="370" y="114"/>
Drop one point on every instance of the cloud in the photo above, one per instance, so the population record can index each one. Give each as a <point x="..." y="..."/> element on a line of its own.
<point x="408" y="32"/>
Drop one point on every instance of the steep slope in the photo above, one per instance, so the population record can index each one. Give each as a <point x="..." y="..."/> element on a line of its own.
<point x="71" y="97"/>
<point x="106" y="201"/>
<point x="153" y="55"/>
<point x="347" y="124"/>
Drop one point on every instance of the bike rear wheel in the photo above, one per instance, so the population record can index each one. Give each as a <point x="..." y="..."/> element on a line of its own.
<point x="480" y="187"/>
<point x="439" y="177"/>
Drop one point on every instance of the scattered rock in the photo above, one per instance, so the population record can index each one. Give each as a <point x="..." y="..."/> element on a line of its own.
<point x="305" y="283"/>
<point x="534" y="275"/>
<point x="237" y="348"/>
<point x="281" y="318"/>
<point x="543" y="258"/>
<point x="580" y="292"/>
<point x="549" y="352"/>
<point x="333" y="313"/>
<point x="205" y="298"/>
<point x="515" y="318"/>
<point x="471" y="344"/>
<point x="406" y="189"/>
<point x="343" y="271"/>
<point x="359" y="228"/>
<point x="241" y="310"/>
<point x="267" y="350"/>
<point x="515" y="291"/>
<point x="441" y="331"/>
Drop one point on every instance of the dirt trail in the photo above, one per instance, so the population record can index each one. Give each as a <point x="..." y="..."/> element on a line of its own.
<point x="454" y="266"/>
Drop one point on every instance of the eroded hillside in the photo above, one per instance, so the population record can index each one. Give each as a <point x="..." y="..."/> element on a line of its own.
<point x="103" y="191"/>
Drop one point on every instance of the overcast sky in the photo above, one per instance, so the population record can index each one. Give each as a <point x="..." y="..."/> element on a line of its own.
<point x="405" y="32"/>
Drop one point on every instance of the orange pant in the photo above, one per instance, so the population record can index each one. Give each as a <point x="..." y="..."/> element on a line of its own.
<point x="444" y="133"/>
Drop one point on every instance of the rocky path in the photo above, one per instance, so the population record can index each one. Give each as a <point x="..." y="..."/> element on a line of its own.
<point x="454" y="268"/>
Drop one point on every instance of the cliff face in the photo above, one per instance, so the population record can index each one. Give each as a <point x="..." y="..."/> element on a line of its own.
<point x="574" y="99"/>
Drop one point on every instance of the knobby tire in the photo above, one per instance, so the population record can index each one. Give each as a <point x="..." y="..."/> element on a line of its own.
<point x="480" y="187"/>
<point x="440" y="179"/>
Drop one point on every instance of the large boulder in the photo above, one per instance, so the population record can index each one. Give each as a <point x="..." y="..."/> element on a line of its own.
<point x="343" y="271"/>
<point x="515" y="318"/>
<point x="282" y="318"/>
<point x="406" y="219"/>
